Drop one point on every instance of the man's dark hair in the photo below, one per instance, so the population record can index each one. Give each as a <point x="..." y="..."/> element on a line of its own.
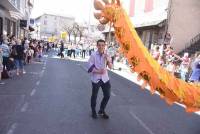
<point x="100" y="40"/>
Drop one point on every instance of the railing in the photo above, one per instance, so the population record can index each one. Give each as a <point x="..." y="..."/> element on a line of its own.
<point x="193" y="41"/>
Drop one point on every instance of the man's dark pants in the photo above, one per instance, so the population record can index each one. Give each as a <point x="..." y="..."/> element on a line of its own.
<point x="106" y="87"/>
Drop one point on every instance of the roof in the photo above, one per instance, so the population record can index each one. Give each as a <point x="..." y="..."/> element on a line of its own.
<point x="54" y="15"/>
<point x="145" y="20"/>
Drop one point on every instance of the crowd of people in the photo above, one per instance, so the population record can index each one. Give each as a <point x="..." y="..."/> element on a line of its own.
<point x="74" y="50"/>
<point x="15" y="53"/>
<point x="186" y="67"/>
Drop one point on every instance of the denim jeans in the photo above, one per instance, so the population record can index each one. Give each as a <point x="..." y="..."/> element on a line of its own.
<point x="19" y="63"/>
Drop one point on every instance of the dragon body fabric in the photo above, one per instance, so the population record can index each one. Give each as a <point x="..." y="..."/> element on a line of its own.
<point x="169" y="87"/>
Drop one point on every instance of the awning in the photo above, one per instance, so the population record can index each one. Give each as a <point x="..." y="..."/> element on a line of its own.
<point x="16" y="15"/>
<point x="31" y="29"/>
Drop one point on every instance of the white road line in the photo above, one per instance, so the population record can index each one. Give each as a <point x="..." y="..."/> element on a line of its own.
<point x="141" y="123"/>
<point x="12" y="128"/>
<point x="44" y="68"/>
<point x="45" y="56"/>
<point x="33" y="92"/>
<point x="24" y="107"/>
<point x="113" y="94"/>
<point x="38" y="83"/>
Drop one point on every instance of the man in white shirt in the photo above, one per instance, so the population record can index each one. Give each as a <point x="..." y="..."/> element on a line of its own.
<point x="98" y="63"/>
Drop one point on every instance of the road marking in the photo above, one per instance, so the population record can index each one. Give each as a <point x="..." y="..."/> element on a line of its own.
<point x="113" y="94"/>
<point x="141" y="123"/>
<point x="12" y="128"/>
<point x="45" y="56"/>
<point x="44" y="68"/>
<point x="38" y="83"/>
<point x="33" y="92"/>
<point x="24" y="107"/>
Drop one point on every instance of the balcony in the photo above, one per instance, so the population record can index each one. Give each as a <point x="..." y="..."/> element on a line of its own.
<point x="10" y="5"/>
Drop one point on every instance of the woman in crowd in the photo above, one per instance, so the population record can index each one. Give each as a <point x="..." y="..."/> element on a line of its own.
<point x="18" y="55"/>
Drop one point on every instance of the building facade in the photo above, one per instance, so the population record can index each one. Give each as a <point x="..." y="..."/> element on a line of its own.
<point x="154" y="18"/>
<point x="184" y="22"/>
<point x="48" y="25"/>
<point x="149" y="18"/>
<point x="12" y="13"/>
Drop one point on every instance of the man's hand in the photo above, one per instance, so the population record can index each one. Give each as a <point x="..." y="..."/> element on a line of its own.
<point x="107" y="58"/>
<point x="108" y="61"/>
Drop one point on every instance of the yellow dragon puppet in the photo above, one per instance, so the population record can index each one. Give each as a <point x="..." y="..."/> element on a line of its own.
<point x="169" y="87"/>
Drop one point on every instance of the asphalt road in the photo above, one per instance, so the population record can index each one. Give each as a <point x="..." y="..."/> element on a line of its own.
<point x="53" y="97"/>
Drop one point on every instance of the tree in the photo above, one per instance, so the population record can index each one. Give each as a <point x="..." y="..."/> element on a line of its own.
<point x="81" y="30"/>
<point x="69" y="30"/>
<point x="75" y="31"/>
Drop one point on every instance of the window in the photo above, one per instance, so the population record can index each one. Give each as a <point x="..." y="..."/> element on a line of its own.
<point x="45" y="22"/>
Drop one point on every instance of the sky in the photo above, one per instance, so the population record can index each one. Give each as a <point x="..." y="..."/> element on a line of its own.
<point x="82" y="10"/>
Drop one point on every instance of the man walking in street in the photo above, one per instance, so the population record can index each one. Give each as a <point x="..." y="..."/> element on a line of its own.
<point x="98" y="63"/>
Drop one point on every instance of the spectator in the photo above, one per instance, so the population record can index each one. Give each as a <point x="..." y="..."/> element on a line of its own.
<point x="195" y="76"/>
<point x="1" y="65"/>
<point x="18" y="55"/>
<point x="6" y="53"/>
<point x="156" y="53"/>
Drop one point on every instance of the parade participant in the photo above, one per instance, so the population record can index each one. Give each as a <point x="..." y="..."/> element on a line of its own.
<point x="98" y="63"/>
